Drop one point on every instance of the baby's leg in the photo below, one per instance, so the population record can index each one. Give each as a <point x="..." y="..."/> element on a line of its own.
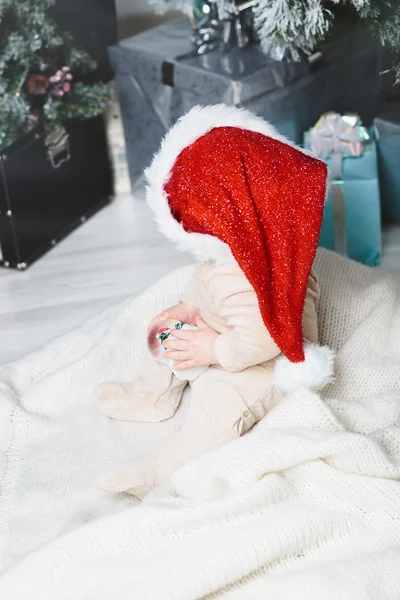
<point x="223" y="406"/>
<point x="154" y="396"/>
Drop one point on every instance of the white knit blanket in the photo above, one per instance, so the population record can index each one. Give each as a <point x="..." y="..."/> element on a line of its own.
<point x="307" y="506"/>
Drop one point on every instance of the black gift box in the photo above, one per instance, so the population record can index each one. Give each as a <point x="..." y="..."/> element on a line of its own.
<point x="48" y="186"/>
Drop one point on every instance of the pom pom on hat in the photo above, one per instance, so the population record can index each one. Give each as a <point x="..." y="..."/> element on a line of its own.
<point x="314" y="372"/>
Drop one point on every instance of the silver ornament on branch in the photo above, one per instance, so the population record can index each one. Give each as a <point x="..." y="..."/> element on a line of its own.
<point x="207" y="28"/>
<point x="201" y="10"/>
<point x="224" y="24"/>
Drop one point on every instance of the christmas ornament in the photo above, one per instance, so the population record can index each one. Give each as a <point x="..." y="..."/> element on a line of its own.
<point x="200" y="9"/>
<point x="208" y="29"/>
<point x="222" y="24"/>
<point x="162" y="331"/>
<point x="226" y="186"/>
<point x="37" y="84"/>
<point x="61" y="81"/>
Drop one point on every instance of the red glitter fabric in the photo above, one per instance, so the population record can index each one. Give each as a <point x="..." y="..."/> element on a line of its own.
<point x="265" y="199"/>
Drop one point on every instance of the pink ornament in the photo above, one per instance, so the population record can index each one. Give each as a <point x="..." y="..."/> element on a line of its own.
<point x="154" y="342"/>
<point x="60" y="81"/>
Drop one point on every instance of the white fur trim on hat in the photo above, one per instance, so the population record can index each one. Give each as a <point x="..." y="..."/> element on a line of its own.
<point x="196" y="123"/>
<point x="315" y="372"/>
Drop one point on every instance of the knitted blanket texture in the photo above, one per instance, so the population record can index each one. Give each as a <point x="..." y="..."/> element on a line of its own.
<point x="306" y="506"/>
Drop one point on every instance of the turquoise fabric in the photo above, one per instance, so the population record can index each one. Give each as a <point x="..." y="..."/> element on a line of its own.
<point x="387" y="128"/>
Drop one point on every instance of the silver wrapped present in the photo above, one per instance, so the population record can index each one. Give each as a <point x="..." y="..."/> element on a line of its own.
<point x="352" y="224"/>
<point x="159" y="78"/>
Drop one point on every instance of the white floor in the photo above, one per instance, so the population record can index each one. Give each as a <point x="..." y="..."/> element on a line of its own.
<point x="116" y="254"/>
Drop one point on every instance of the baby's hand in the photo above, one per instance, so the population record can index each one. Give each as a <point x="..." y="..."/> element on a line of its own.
<point x="180" y="312"/>
<point x="192" y="348"/>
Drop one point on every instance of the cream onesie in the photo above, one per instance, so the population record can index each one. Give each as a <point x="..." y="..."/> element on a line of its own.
<point x="249" y="205"/>
<point x="226" y="400"/>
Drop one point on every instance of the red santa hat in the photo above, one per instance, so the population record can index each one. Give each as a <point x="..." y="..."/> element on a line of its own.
<point x="227" y="187"/>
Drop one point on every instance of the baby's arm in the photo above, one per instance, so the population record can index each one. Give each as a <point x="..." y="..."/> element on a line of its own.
<point x="248" y="343"/>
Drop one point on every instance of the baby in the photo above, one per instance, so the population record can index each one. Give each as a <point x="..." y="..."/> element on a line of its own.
<point x="249" y="205"/>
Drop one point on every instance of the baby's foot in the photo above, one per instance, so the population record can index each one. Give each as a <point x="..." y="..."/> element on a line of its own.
<point x="134" y="476"/>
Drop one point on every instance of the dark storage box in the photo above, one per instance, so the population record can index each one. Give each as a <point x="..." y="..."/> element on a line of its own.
<point x="41" y="202"/>
<point x="159" y="80"/>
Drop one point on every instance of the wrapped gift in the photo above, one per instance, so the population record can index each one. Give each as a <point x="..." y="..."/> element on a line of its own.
<point x="387" y="132"/>
<point x="49" y="185"/>
<point x="352" y="216"/>
<point x="160" y="77"/>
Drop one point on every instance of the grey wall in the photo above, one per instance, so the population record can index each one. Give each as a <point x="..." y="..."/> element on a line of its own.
<point x="137" y="15"/>
<point x="94" y="30"/>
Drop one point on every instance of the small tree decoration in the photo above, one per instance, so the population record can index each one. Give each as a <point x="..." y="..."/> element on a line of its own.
<point x="39" y="72"/>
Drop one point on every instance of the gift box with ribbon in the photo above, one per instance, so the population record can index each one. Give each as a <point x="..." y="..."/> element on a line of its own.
<point x="352" y="216"/>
